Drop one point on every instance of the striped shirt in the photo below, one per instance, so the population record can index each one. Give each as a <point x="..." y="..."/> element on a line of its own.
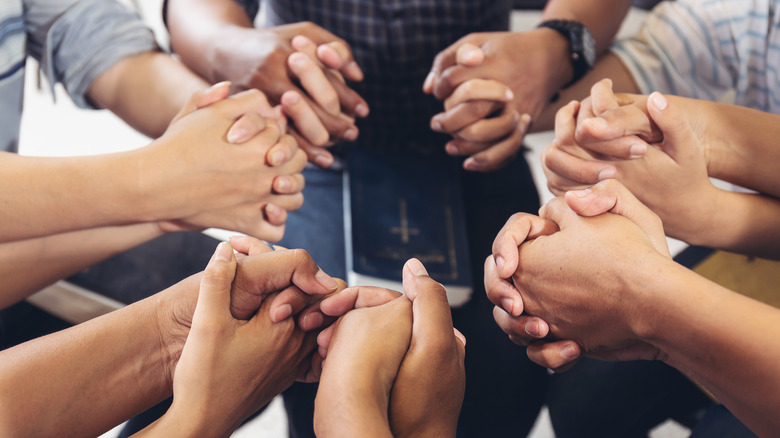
<point x="395" y="42"/>
<point x="724" y="50"/>
<point x="74" y="41"/>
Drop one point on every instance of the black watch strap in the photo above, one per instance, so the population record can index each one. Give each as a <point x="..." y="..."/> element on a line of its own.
<point x="582" y="47"/>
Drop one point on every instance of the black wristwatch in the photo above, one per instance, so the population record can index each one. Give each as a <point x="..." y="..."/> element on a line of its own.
<point x="582" y="46"/>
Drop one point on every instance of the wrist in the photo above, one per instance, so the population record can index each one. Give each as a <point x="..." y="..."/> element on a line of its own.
<point x="557" y="60"/>
<point x="174" y="310"/>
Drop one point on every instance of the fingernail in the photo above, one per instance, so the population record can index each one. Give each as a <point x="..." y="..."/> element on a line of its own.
<point x="351" y="134"/>
<point x="282" y="312"/>
<point x="581" y="193"/>
<point x="224" y="252"/>
<point x="428" y="81"/>
<point x="500" y="263"/>
<point x="638" y="150"/>
<point x="510" y="95"/>
<point x="219" y="85"/>
<point x="451" y="148"/>
<point x="325" y="280"/>
<point x="598" y="123"/>
<point x="236" y="135"/>
<point x="361" y="110"/>
<point x="607" y="174"/>
<point x="323" y="160"/>
<point x="312" y="321"/>
<point x="526" y="119"/>
<point x="532" y="328"/>
<point x="508" y="304"/>
<point x="298" y="60"/>
<point x="659" y="101"/>
<point x="471" y="164"/>
<point x="436" y="125"/>
<point x="416" y="267"/>
<point x="292" y="97"/>
<point x="569" y="352"/>
<point x="460" y="336"/>
<point x="282" y="185"/>
<point x="322" y="351"/>
<point x="277" y="157"/>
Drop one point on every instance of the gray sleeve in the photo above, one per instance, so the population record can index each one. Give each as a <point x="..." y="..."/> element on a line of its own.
<point x="78" y="40"/>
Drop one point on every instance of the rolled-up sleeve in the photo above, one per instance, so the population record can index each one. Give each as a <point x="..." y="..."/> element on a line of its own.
<point x="77" y="41"/>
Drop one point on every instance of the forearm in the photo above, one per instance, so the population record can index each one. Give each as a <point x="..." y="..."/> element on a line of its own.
<point x="721" y="339"/>
<point x="27" y="266"/>
<point x="603" y="18"/>
<point x="146" y="90"/>
<point x="86" y="379"/>
<point x="200" y="29"/>
<point x="742" y="223"/>
<point x="744" y="148"/>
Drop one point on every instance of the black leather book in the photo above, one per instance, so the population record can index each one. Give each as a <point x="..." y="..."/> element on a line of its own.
<point x="404" y="205"/>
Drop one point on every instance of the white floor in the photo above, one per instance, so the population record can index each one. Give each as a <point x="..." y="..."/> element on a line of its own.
<point x="70" y="131"/>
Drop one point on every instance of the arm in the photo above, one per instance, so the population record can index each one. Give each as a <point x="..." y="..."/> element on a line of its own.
<point x="193" y="174"/>
<point x="27" y="266"/>
<point x="299" y="65"/>
<point x="93" y="376"/>
<point x="535" y="65"/>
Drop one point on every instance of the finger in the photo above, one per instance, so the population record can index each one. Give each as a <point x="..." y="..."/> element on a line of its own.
<point x="204" y="98"/>
<point x="315" y="154"/>
<point x="523" y="329"/>
<point x="337" y="55"/>
<point x="615" y="133"/>
<point x="490" y="130"/>
<point x="557" y="211"/>
<point x="288" y="302"/>
<point x="432" y="318"/>
<point x="499" y="154"/>
<point x="519" y="228"/>
<point x="246" y="127"/>
<point x="463" y="115"/>
<point x="282" y="151"/>
<point x="356" y="298"/>
<point x="271" y="272"/>
<point x="351" y="102"/>
<point x="304" y="118"/>
<point x="557" y="356"/>
<point x="304" y="44"/>
<point x="314" y="82"/>
<point x="249" y="245"/>
<point x="612" y="196"/>
<point x="215" y="284"/>
<point x="573" y="168"/>
<point x="479" y="89"/>
<point x="252" y="100"/>
<point x="469" y="55"/>
<point x="443" y="60"/>
<point x="289" y="184"/>
<point x="501" y="292"/>
<point x="565" y="123"/>
<point x="677" y="133"/>
<point x="602" y="97"/>
<point x="276" y="216"/>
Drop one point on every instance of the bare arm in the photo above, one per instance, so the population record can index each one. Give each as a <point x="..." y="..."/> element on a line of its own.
<point x="27" y="266"/>
<point x="145" y="90"/>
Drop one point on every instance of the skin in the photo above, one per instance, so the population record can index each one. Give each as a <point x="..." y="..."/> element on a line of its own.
<point x="534" y="65"/>
<point x="682" y="146"/>
<point x="623" y="299"/>
<point x="399" y="376"/>
<point x="86" y="378"/>
<point x="157" y="183"/>
<point x="300" y="66"/>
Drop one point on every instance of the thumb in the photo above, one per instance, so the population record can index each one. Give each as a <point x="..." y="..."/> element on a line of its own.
<point x="469" y="55"/>
<point x="204" y="98"/>
<point x="432" y="323"/>
<point x="613" y="197"/>
<point x="215" y="285"/>
<point x="677" y="133"/>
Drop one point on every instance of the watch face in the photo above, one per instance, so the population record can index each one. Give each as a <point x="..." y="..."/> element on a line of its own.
<point x="588" y="47"/>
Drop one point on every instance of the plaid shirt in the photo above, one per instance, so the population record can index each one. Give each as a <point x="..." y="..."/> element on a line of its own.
<point x="394" y="42"/>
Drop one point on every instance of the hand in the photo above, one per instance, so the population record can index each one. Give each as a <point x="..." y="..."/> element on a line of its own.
<point x="430" y="385"/>
<point x="209" y="182"/>
<point x="477" y="116"/>
<point x="528" y="63"/>
<point x="229" y="368"/>
<point x="302" y="67"/>
<point x="678" y="160"/>
<point x="363" y="351"/>
<point x="586" y="280"/>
